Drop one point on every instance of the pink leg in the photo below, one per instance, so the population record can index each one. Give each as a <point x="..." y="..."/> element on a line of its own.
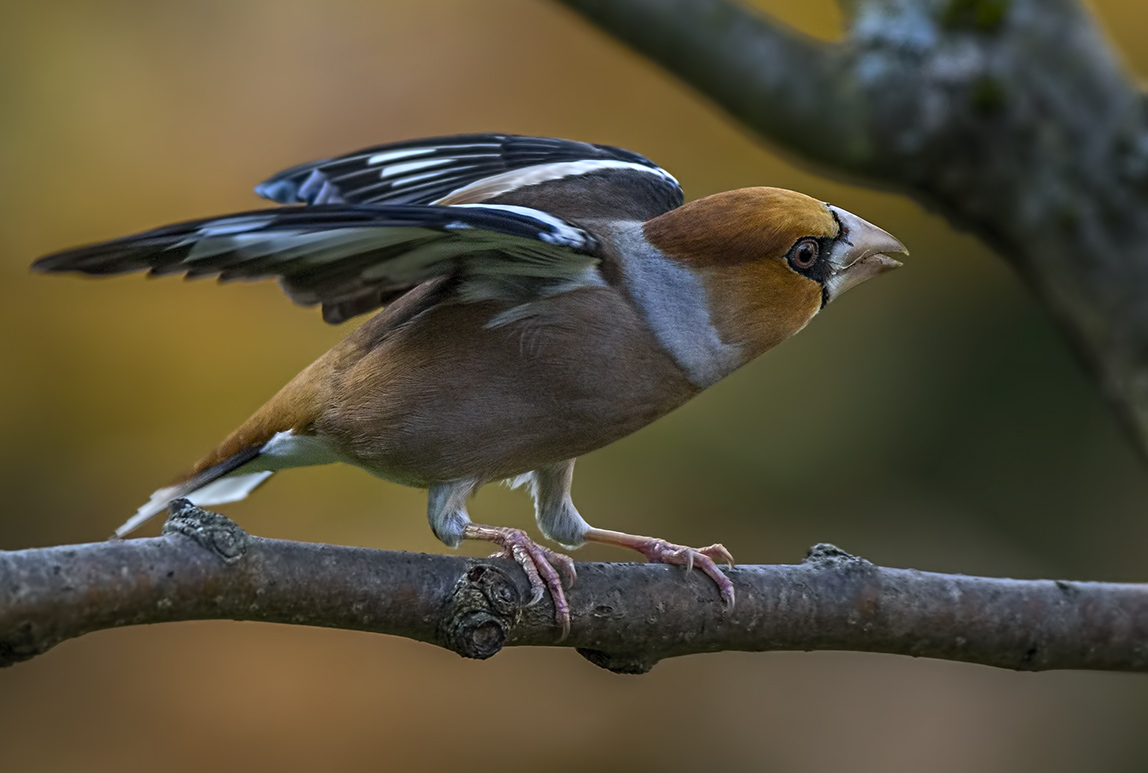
<point x="539" y="564"/>
<point x="661" y="552"/>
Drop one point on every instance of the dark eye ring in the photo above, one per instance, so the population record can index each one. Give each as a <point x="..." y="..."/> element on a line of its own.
<point x="805" y="253"/>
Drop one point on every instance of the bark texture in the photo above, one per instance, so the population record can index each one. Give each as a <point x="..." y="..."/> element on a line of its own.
<point x="626" y="617"/>
<point x="1014" y="118"/>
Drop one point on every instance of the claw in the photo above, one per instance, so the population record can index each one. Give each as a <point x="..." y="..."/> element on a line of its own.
<point x="566" y="567"/>
<point x="537" y="562"/>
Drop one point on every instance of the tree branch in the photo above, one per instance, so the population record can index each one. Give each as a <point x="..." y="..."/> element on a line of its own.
<point x="626" y="617"/>
<point x="1014" y="118"/>
<point x="778" y="82"/>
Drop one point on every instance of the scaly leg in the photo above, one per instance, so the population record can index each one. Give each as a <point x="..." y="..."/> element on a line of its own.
<point x="662" y="552"/>
<point x="560" y="521"/>
<point x="446" y="511"/>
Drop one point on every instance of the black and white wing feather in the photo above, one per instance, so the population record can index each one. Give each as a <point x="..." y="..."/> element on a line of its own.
<point x="352" y="259"/>
<point x="468" y="168"/>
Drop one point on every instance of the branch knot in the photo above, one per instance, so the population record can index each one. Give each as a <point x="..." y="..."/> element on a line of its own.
<point x="212" y="531"/>
<point x="824" y="555"/>
<point x="480" y="612"/>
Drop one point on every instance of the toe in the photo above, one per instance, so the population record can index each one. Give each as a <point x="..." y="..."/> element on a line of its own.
<point x="702" y="559"/>
<point x="536" y="579"/>
<point x="725" y="587"/>
<point x="718" y="552"/>
<point x="554" y="584"/>
<point x="539" y="564"/>
<point x="565" y="566"/>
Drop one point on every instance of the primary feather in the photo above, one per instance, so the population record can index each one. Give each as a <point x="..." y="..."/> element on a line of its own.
<point x="350" y="259"/>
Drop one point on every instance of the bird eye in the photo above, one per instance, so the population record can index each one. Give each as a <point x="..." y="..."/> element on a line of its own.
<point x="804" y="254"/>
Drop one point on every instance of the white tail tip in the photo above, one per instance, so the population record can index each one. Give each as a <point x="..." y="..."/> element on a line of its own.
<point x="230" y="488"/>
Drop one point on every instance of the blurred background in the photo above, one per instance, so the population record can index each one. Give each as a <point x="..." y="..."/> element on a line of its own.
<point x="933" y="419"/>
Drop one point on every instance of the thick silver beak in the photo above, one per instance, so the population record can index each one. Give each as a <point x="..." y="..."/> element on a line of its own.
<point x="861" y="252"/>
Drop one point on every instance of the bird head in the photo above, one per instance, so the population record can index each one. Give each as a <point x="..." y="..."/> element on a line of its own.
<point x="770" y="258"/>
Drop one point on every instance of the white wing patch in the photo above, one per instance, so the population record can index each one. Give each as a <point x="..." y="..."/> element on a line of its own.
<point x="395" y="155"/>
<point x="466" y="169"/>
<point x="564" y="235"/>
<point x="412" y="166"/>
<point x="414" y="178"/>
<point x="495" y="185"/>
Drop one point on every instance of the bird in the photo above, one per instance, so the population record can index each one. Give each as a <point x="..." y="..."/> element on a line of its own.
<point x="534" y="299"/>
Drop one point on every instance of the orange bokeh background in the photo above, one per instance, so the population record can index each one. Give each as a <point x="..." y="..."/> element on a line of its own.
<point x="932" y="419"/>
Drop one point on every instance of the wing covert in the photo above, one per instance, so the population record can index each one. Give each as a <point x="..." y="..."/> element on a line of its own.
<point x="467" y="168"/>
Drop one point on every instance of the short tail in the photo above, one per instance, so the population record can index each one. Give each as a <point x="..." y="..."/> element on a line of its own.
<point x="277" y="436"/>
<point x="223" y="482"/>
<point x="237" y="475"/>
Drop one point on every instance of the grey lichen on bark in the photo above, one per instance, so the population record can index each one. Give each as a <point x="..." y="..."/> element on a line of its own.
<point x="213" y="531"/>
<point x="1013" y="118"/>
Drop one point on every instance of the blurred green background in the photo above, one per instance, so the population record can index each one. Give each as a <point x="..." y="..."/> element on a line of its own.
<point x="933" y="419"/>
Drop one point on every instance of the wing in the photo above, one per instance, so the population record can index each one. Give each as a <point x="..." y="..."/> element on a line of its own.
<point x="469" y="168"/>
<point x="355" y="259"/>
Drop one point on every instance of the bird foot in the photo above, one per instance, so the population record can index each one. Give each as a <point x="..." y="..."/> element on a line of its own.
<point x="545" y="569"/>
<point x="659" y="551"/>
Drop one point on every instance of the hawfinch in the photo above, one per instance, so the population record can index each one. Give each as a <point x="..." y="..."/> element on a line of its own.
<point x="540" y="298"/>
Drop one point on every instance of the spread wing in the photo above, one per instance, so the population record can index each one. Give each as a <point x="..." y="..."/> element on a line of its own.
<point x="352" y="259"/>
<point x="470" y="168"/>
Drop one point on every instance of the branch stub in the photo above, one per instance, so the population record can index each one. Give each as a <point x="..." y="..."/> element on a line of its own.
<point x="212" y="531"/>
<point x="481" y="610"/>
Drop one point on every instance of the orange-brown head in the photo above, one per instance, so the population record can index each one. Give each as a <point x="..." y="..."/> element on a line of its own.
<point x="770" y="259"/>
